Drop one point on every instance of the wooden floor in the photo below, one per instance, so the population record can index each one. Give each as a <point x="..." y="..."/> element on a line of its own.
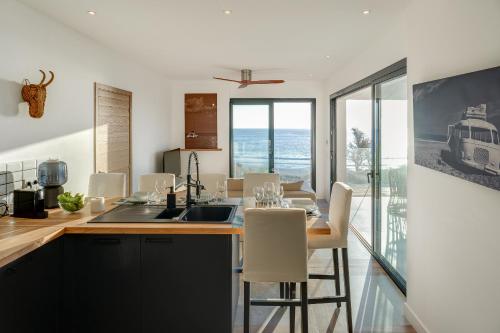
<point x="377" y="303"/>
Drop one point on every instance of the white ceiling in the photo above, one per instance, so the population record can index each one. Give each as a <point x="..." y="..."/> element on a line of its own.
<point x="194" y="39"/>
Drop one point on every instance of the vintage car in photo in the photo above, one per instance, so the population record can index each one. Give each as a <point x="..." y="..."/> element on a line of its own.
<point x="474" y="141"/>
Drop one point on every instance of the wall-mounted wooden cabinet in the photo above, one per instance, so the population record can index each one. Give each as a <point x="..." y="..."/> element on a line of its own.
<point x="200" y="111"/>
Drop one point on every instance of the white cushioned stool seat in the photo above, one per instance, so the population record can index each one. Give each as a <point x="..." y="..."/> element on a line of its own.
<point x="258" y="179"/>
<point x="108" y="185"/>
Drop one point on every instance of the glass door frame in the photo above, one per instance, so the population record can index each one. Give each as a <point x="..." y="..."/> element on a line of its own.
<point x="270" y="103"/>
<point x="393" y="71"/>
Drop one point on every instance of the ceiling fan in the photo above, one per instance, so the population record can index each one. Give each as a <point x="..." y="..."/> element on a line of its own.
<point x="246" y="79"/>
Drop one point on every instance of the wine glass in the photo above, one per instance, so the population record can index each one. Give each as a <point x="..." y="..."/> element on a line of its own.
<point x="280" y="192"/>
<point x="258" y="192"/>
<point x="161" y="189"/>
<point x="269" y="190"/>
<point x="221" y="190"/>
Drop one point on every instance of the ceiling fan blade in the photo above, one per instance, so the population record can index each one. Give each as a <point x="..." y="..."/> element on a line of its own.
<point x="220" y="78"/>
<point x="266" y="81"/>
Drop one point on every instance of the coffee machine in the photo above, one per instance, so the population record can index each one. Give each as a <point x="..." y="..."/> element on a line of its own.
<point x="29" y="203"/>
<point x="52" y="174"/>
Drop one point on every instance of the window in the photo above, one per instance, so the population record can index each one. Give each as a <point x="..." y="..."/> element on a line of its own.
<point x="273" y="135"/>
<point x="481" y="134"/>
<point x="495" y="137"/>
<point x="464" y="132"/>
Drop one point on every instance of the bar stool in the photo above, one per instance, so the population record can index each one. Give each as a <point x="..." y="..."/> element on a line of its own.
<point x="339" y="211"/>
<point x="147" y="183"/>
<point x="275" y="251"/>
<point x="258" y="179"/>
<point x="107" y="185"/>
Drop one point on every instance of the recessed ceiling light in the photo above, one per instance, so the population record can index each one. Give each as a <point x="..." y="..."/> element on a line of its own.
<point x="328" y="57"/>
<point x="91" y="12"/>
<point x="227" y="11"/>
<point x="366" y="12"/>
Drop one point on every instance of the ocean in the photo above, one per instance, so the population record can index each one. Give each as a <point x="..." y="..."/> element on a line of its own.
<point x="292" y="152"/>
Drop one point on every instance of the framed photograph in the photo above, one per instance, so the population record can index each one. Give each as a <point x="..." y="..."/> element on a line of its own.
<point x="456" y="123"/>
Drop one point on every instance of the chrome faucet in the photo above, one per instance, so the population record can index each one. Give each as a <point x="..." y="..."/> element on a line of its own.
<point x="190" y="183"/>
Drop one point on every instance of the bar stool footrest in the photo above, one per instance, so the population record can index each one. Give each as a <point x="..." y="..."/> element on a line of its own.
<point x="327" y="299"/>
<point x="275" y="302"/>
<point x="322" y="277"/>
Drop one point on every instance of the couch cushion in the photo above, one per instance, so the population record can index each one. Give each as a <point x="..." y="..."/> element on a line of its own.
<point x="235" y="184"/>
<point x="300" y="194"/>
<point x="293" y="186"/>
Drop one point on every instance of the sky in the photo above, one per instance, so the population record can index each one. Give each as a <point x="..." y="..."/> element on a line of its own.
<point x="286" y="115"/>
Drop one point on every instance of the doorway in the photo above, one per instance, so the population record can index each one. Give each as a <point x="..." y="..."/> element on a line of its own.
<point x="369" y="153"/>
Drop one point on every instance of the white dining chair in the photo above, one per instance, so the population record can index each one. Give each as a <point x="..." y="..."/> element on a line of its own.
<point x="276" y="251"/>
<point x="108" y="185"/>
<point x="338" y="215"/>
<point x="210" y="180"/>
<point x="147" y="182"/>
<point x="258" y="179"/>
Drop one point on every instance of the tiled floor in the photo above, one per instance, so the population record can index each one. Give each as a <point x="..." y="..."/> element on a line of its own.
<point x="377" y="303"/>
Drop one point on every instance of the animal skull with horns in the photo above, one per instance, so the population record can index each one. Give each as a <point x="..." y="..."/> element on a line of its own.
<point x="35" y="95"/>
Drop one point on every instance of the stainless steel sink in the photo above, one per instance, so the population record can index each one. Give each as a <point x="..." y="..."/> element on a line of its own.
<point x="209" y="214"/>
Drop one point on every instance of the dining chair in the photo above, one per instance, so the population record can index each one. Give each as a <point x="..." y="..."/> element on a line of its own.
<point x="266" y="259"/>
<point x="107" y="185"/>
<point x="147" y="182"/>
<point x="258" y="179"/>
<point x="339" y="211"/>
<point x="210" y="180"/>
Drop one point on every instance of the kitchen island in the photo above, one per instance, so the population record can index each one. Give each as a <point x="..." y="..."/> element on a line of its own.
<point x="67" y="275"/>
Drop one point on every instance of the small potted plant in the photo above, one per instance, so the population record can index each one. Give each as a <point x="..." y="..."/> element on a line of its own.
<point x="70" y="203"/>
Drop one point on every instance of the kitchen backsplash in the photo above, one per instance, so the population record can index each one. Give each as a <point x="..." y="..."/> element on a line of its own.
<point x="14" y="175"/>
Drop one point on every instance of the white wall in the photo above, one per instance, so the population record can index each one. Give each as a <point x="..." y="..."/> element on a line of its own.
<point x="31" y="41"/>
<point x="219" y="161"/>
<point x="453" y="225"/>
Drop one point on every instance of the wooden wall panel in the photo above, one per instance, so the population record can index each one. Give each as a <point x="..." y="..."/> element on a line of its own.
<point x="200" y="121"/>
<point x="112" y="144"/>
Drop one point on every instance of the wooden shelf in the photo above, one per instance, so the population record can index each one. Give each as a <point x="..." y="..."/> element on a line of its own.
<point x="201" y="149"/>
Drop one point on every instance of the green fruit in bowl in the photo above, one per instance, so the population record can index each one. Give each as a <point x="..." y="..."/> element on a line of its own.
<point x="70" y="203"/>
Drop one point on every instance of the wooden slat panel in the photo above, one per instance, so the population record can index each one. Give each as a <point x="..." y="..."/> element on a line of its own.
<point x="114" y="160"/>
<point x="113" y="123"/>
<point x="118" y="111"/>
<point x="112" y="102"/>
<point x="112" y="130"/>
<point x="114" y="147"/>
<point x="104" y="93"/>
<point x="103" y="134"/>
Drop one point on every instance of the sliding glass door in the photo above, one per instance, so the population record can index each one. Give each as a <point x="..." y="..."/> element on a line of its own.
<point x="250" y="139"/>
<point x="273" y="135"/>
<point x="369" y="153"/>
<point x="354" y="112"/>
<point x="390" y="226"/>
<point x="293" y="141"/>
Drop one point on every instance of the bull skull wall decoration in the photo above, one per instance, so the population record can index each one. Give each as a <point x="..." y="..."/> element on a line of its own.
<point x="35" y="95"/>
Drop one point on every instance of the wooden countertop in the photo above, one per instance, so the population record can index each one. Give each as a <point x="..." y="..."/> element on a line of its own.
<point x="19" y="236"/>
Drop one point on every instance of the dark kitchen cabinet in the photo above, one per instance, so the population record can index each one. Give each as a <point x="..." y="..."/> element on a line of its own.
<point x="123" y="283"/>
<point x="30" y="294"/>
<point x="102" y="275"/>
<point x="187" y="283"/>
